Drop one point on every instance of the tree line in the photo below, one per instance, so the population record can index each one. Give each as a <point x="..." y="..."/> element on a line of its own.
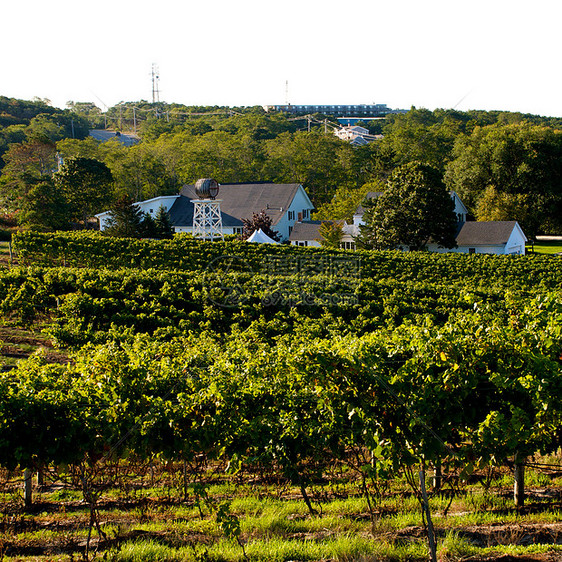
<point x="505" y="166"/>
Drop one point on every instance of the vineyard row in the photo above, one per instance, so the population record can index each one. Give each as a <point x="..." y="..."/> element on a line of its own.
<point x="302" y="402"/>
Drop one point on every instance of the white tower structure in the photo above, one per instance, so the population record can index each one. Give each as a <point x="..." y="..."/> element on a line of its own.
<point x="207" y="218"/>
<point x="155" y="80"/>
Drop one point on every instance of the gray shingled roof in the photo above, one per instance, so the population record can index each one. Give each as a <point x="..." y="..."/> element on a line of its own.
<point x="239" y="201"/>
<point x="181" y="213"/>
<point x="309" y="230"/>
<point x="475" y="233"/>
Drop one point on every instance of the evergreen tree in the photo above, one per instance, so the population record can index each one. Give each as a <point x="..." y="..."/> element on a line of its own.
<point x="125" y="219"/>
<point x="367" y="237"/>
<point x="148" y="228"/>
<point x="163" y="222"/>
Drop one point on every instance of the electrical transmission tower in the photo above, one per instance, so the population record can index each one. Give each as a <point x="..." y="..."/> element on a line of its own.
<point x="155" y="80"/>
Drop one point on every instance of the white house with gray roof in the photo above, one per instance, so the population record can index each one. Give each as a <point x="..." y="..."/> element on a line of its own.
<point x="487" y="237"/>
<point x="285" y="204"/>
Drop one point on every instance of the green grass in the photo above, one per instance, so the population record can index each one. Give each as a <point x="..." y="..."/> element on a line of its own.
<point x="342" y="549"/>
<point x="147" y="551"/>
<point x="5" y="251"/>
<point x="544" y="247"/>
<point x="279" y="527"/>
<point x="65" y="494"/>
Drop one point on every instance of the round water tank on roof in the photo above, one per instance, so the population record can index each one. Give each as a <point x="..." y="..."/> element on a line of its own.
<point x="206" y="188"/>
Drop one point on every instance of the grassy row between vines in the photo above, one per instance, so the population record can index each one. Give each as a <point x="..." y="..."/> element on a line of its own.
<point x="158" y="522"/>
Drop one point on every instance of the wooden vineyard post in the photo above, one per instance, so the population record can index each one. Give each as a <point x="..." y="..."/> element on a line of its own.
<point x="27" y="488"/>
<point x="430" y="533"/>
<point x="184" y="480"/>
<point x="518" y="481"/>
<point x="437" y="476"/>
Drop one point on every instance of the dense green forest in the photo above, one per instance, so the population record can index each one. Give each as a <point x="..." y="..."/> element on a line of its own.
<point x="504" y="165"/>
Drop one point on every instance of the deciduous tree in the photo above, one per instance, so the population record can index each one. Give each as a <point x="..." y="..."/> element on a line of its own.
<point x="494" y="205"/>
<point x="86" y="185"/>
<point x="513" y="159"/>
<point x="43" y="208"/>
<point x="259" y="220"/>
<point x="414" y="209"/>
<point x="34" y="157"/>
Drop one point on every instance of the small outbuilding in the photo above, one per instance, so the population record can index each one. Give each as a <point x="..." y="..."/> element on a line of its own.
<point x="491" y="237"/>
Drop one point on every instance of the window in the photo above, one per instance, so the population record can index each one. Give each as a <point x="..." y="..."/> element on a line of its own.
<point x="290" y="230"/>
<point x="305" y="213"/>
<point x="291" y="215"/>
<point x="348" y="245"/>
<point x="237" y="230"/>
<point x="472" y="250"/>
<point x="303" y="243"/>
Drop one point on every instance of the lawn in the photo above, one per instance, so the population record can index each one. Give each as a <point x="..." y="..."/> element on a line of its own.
<point x="545" y="247"/>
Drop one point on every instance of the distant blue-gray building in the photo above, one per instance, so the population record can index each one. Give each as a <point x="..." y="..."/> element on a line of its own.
<point x="365" y="110"/>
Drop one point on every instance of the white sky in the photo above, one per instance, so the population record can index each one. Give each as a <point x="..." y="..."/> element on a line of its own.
<point x="493" y="54"/>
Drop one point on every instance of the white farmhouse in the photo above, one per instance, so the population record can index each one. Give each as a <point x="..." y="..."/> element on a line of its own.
<point x="285" y="204"/>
